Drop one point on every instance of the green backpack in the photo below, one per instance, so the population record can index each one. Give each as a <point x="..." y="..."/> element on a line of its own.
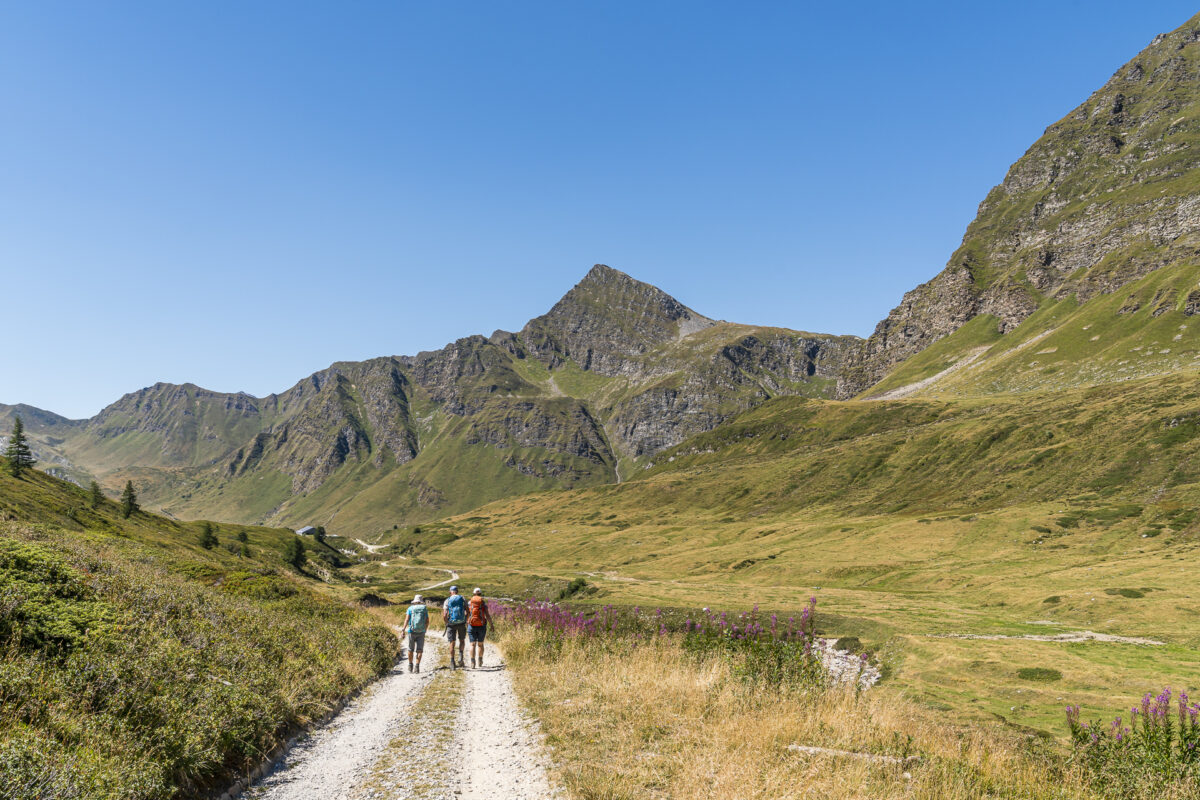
<point x="418" y="618"/>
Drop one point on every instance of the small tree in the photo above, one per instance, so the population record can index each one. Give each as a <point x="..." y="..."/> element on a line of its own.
<point x="294" y="554"/>
<point x="241" y="537"/>
<point x="208" y="539"/>
<point x="97" y="494"/>
<point x="320" y="534"/>
<point x="129" y="503"/>
<point x="18" y="454"/>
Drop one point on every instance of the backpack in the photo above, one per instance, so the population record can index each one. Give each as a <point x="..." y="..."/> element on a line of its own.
<point x="477" y="606"/>
<point x="418" y="618"/>
<point x="456" y="613"/>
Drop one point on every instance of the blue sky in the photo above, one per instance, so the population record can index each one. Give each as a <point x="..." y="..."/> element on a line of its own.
<point x="238" y="194"/>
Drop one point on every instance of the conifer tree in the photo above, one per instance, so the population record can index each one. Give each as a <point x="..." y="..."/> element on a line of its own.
<point x="97" y="494"/>
<point x="208" y="539"/>
<point x="129" y="502"/>
<point x="320" y="534"/>
<point x="18" y="454"/>
<point x="293" y="553"/>
<point x="241" y="537"/>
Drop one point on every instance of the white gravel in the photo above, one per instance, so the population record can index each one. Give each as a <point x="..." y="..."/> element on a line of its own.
<point x="496" y="752"/>
<point x="503" y="753"/>
<point x="336" y="757"/>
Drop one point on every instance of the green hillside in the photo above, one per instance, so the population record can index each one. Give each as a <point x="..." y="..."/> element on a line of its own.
<point x="1148" y="328"/>
<point x="137" y="663"/>
<point x="915" y="522"/>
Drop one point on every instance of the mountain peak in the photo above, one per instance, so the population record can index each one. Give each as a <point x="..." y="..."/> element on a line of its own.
<point x="608" y="320"/>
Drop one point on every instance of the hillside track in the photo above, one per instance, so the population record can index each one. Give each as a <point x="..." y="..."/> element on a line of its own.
<point x="438" y="734"/>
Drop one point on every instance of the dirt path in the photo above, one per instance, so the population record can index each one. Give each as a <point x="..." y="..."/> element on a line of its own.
<point x="453" y="577"/>
<point x="333" y="761"/>
<point x="503" y="757"/>
<point x="437" y="735"/>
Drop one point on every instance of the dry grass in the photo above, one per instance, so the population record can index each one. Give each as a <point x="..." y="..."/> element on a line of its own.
<point x="651" y="722"/>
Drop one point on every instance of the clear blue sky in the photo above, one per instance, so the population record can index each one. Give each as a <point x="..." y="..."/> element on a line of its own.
<point x="238" y="194"/>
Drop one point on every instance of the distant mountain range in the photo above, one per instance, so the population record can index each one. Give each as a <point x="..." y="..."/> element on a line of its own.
<point x="1082" y="267"/>
<point x="616" y="371"/>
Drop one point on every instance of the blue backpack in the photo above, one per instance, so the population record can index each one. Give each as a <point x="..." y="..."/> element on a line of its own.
<point x="456" y="609"/>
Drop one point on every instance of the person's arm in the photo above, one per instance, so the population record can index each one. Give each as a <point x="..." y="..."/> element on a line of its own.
<point x="446" y="610"/>
<point x="487" y="614"/>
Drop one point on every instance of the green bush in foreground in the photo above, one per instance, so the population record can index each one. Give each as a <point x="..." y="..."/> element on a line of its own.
<point x="123" y="678"/>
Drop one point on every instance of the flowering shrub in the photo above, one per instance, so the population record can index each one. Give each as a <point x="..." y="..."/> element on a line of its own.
<point x="763" y="649"/>
<point x="1158" y="746"/>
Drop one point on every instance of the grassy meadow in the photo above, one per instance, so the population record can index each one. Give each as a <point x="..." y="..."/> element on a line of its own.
<point x="916" y="523"/>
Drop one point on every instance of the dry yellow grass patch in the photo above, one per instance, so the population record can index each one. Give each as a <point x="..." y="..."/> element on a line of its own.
<point x="651" y="722"/>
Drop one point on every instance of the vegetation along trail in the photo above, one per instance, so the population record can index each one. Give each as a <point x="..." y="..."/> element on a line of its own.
<point x="436" y="734"/>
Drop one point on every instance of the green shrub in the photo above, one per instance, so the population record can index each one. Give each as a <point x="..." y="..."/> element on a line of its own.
<point x="1039" y="674"/>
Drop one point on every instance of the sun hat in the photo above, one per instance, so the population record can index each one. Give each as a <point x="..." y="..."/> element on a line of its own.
<point x="418" y="599"/>
<point x="478" y="590"/>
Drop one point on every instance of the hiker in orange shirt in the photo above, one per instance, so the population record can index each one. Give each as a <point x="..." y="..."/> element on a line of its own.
<point x="478" y="618"/>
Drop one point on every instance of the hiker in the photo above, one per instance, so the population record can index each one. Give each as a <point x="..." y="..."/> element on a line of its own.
<point x="478" y="618"/>
<point x="454" y="614"/>
<point x="416" y="623"/>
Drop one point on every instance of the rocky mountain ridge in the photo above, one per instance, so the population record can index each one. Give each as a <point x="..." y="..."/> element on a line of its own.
<point x="1109" y="194"/>
<point x="616" y="371"/>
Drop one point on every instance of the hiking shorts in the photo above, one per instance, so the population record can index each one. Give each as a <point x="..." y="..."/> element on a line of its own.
<point x="416" y="642"/>
<point x="475" y="633"/>
<point x="456" y="630"/>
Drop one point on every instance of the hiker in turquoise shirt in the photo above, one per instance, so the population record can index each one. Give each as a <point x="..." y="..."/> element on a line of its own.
<point x="416" y="623"/>
<point x="454" y="614"/>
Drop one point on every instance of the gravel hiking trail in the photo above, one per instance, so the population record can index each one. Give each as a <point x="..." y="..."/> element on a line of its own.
<point x="438" y="735"/>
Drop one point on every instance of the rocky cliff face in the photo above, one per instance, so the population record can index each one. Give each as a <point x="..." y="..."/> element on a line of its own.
<point x="1107" y="195"/>
<point x="617" y="370"/>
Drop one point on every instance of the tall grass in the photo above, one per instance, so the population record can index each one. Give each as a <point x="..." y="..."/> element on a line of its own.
<point x="648" y="719"/>
<point x="121" y="677"/>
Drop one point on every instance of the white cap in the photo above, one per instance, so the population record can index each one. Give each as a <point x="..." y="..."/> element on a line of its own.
<point x="418" y="599"/>
<point x="478" y="590"/>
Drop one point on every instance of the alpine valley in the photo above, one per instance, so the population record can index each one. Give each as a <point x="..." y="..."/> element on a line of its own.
<point x="1000" y="482"/>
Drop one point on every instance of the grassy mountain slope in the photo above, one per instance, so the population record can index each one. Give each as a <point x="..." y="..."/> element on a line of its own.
<point x="910" y="519"/>
<point x="1106" y="197"/>
<point x="1148" y="328"/>
<point x="136" y="663"/>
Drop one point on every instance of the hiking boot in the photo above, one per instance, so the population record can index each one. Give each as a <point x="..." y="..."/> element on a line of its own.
<point x="410" y="667"/>
<point x="418" y="669"/>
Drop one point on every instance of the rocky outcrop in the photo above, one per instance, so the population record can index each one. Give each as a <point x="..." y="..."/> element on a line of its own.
<point x="737" y="377"/>
<point x="1100" y="200"/>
